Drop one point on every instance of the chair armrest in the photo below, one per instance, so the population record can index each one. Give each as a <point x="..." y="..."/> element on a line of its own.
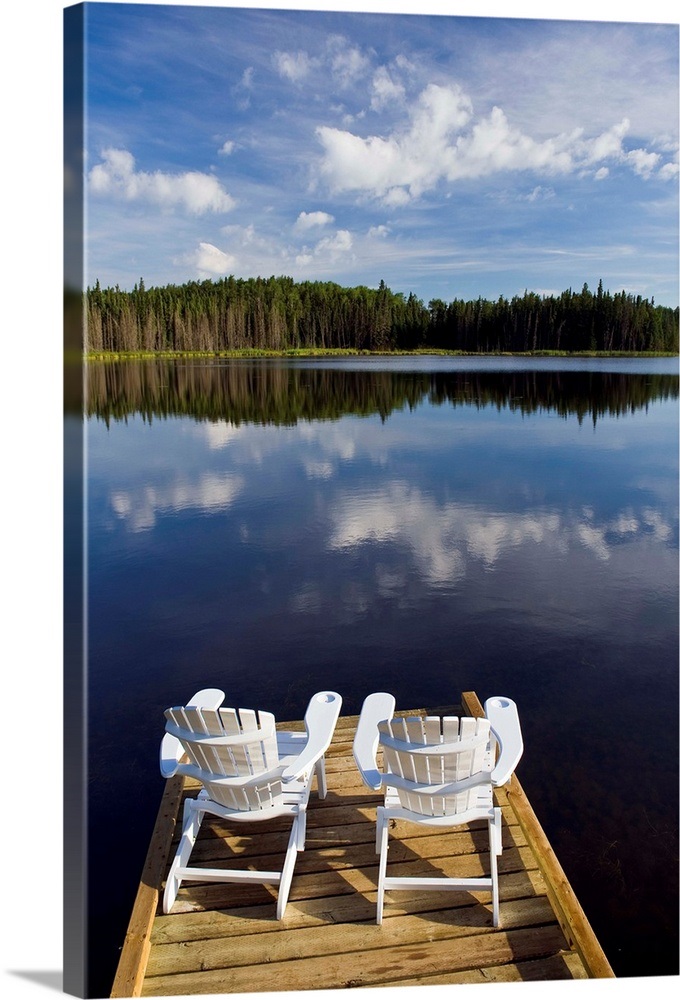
<point x="320" y="719"/>
<point x="502" y="714"/>
<point x="171" y="748"/>
<point x="376" y="708"/>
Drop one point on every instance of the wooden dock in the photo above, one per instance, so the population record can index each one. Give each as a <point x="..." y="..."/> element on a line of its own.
<point x="224" y="938"/>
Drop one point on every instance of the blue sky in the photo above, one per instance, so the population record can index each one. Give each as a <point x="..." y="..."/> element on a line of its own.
<point x="449" y="156"/>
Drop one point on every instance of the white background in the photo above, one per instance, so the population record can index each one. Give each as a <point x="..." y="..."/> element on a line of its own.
<point x="31" y="420"/>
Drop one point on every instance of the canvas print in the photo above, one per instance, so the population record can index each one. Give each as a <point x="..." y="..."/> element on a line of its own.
<point x="371" y="574"/>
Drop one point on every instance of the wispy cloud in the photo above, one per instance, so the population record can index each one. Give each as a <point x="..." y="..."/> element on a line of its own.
<point x="385" y="89"/>
<point x="348" y="62"/>
<point x="294" y="66"/>
<point x="242" y="90"/>
<point x="339" y="61"/>
<point x="539" y="193"/>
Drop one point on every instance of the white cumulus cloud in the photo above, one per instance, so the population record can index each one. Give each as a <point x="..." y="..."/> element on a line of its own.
<point x="442" y="141"/>
<point x="210" y="260"/>
<point x="339" y="244"/>
<point x="196" y="192"/>
<point x="669" y="171"/>
<point x="310" y="220"/>
<point x="608" y="144"/>
<point x="403" y="164"/>
<point x="642" y="162"/>
<point x="328" y="250"/>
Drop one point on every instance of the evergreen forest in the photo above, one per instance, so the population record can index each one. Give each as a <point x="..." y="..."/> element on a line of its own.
<point x="280" y="314"/>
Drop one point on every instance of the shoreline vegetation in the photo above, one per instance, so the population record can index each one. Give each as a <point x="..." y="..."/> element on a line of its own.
<point x="337" y="352"/>
<point x="278" y="317"/>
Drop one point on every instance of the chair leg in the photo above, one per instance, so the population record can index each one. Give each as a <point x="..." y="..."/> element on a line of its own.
<point x="300" y="824"/>
<point x="496" y="847"/>
<point x="382" y="846"/>
<point x="192" y="819"/>
<point x="288" y="866"/>
<point x="320" y="770"/>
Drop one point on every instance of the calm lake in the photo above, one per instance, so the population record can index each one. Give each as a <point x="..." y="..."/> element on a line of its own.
<point x="418" y="525"/>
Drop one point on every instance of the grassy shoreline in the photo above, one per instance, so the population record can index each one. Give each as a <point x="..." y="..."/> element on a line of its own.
<point x="314" y="352"/>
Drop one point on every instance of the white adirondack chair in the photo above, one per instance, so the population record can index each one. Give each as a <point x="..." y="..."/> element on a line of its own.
<point x="249" y="772"/>
<point x="440" y="772"/>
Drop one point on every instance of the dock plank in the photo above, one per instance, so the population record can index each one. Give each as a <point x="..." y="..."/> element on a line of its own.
<point x="339" y="938"/>
<point x="374" y="967"/>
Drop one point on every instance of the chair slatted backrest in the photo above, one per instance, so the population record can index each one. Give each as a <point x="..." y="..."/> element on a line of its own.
<point x="243" y="744"/>
<point x="430" y="750"/>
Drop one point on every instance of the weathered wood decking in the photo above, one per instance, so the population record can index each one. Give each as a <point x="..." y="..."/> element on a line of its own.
<point x="224" y="938"/>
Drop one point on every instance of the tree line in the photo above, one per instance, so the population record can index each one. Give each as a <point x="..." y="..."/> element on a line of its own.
<point x="280" y="314"/>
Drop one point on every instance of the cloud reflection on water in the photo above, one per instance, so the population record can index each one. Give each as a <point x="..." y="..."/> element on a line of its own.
<point x="443" y="537"/>
<point x="210" y="493"/>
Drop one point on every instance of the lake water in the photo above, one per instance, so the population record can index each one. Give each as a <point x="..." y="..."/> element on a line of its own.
<point x="419" y="525"/>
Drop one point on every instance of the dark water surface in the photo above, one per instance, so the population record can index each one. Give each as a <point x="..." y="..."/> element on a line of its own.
<point x="419" y="525"/>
